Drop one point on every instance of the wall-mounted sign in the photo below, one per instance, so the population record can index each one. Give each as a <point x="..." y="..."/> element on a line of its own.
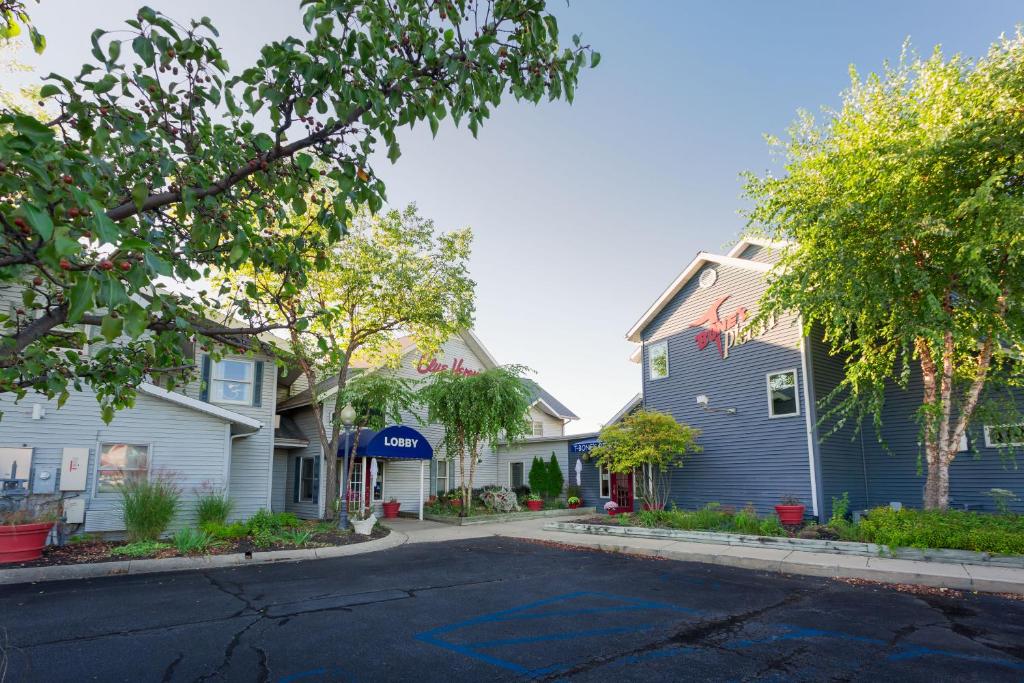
<point x="584" y="446"/>
<point x="426" y="366"/>
<point x="727" y="332"/>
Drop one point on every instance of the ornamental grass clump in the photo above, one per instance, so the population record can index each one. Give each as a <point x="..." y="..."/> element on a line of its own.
<point x="149" y="506"/>
<point x="192" y="541"/>
<point x="212" y="506"/>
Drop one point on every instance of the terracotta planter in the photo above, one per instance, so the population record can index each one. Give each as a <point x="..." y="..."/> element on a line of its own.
<point x="535" y="505"/>
<point x="455" y="502"/>
<point x="23" y="542"/>
<point x="391" y="510"/>
<point x="790" y="515"/>
<point x="616" y="511"/>
<point x="573" y="506"/>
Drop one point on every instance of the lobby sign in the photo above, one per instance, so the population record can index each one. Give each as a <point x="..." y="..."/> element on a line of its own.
<point x="730" y="331"/>
<point x="426" y="366"/>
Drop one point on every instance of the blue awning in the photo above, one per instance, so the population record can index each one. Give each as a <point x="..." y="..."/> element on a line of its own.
<point x="395" y="442"/>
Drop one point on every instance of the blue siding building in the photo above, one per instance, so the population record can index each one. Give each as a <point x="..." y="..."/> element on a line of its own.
<point x="753" y="393"/>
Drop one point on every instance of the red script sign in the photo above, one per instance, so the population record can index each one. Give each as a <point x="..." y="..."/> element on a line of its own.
<point x="429" y="365"/>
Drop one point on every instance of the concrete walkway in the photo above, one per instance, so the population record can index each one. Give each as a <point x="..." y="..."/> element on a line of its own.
<point x="942" y="575"/>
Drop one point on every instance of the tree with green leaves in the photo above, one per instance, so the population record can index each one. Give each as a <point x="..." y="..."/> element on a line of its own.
<point x="476" y="411"/>
<point x="555" y="478"/>
<point x="380" y="398"/>
<point x="905" y="210"/>
<point x="648" y="443"/>
<point x="161" y="163"/>
<point x="393" y="272"/>
<point x="14" y="16"/>
<point x="538" y="476"/>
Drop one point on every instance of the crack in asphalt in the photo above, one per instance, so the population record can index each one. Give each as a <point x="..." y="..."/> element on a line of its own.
<point x="169" y="671"/>
<point x="694" y="635"/>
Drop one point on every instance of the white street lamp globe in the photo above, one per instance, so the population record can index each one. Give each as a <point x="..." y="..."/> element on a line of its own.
<point x="348" y="415"/>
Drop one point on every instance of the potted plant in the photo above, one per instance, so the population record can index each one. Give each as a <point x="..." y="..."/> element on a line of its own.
<point x="611" y="507"/>
<point x="391" y="508"/>
<point x="455" y="499"/>
<point x="23" y="534"/>
<point x="534" y="502"/>
<point x="790" y="511"/>
<point x="362" y="520"/>
<point x="574" y="502"/>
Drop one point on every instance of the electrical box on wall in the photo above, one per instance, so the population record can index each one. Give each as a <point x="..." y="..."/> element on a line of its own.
<point x="74" y="510"/>
<point x="74" y="468"/>
<point x="44" y="479"/>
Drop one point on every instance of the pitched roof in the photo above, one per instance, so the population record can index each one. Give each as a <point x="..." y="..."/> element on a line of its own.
<point x="406" y="346"/>
<point x="199" y="406"/>
<point x="551" y="404"/>
<point x="631" y="405"/>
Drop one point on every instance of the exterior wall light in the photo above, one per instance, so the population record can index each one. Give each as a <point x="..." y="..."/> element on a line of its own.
<point x="704" y="402"/>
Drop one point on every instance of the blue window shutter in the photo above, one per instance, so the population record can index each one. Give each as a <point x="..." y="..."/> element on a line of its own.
<point x="298" y="479"/>
<point x="257" y="385"/>
<point x="204" y="380"/>
<point x="316" y="480"/>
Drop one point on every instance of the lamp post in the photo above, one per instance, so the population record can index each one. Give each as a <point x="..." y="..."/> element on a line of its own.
<point x="348" y="418"/>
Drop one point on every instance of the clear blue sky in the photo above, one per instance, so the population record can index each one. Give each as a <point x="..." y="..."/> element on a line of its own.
<point x="583" y="214"/>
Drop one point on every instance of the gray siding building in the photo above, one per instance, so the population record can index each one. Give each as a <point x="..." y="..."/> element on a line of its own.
<point x="753" y="392"/>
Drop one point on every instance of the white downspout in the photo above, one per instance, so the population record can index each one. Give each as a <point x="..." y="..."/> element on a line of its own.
<point x="807" y="419"/>
<point x="422" y="463"/>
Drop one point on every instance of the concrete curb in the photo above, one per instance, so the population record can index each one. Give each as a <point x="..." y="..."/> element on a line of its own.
<point x="980" y="578"/>
<point x="96" y="570"/>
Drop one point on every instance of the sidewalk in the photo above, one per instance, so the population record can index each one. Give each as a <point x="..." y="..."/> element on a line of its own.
<point x="940" y="575"/>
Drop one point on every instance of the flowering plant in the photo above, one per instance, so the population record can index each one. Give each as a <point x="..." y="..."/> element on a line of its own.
<point x="574" y="500"/>
<point x="611" y="505"/>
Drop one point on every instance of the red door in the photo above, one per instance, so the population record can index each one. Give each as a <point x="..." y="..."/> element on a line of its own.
<point x="622" y="491"/>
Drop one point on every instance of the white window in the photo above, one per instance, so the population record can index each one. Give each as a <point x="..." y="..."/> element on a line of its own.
<point x="121" y="462"/>
<point x="516" y="475"/>
<point x="231" y="381"/>
<point x="657" y="358"/>
<point x="537" y="428"/>
<point x="606" y="482"/>
<point x="783" y="399"/>
<point x="442" y="477"/>
<point x="307" y="479"/>
<point x="1004" y="436"/>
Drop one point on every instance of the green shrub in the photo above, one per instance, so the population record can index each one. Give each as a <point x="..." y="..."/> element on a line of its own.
<point x="538" y="477"/>
<point x="555" y="481"/>
<point x="771" y="526"/>
<point x="273" y="522"/>
<point x="297" y="537"/>
<point x="138" y="549"/>
<point x="149" y="507"/>
<point x="954" y="529"/>
<point x="192" y="541"/>
<point x="226" y="532"/>
<point x="746" y="521"/>
<point x="213" y="507"/>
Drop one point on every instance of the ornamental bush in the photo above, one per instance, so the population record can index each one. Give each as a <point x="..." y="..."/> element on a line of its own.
<point x="149" y="506"/>
<point x="555" y="480"/>
<point x="538" y="476"/>
<point x="954" y="529"/>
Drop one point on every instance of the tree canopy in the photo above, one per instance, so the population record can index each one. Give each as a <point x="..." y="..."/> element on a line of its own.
<point x="649" y="443"/>
<point x="476" y="410"/>
<point x="393" y="272"/>
<point x="905" y="213"/>
<point x="162" y="163"/>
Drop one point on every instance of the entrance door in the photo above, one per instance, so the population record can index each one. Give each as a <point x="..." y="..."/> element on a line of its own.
<point x="622" y="491"/>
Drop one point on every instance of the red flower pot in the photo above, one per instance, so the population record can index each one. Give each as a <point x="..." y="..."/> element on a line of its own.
<point x="23" y="542"/>
<point x="790" y="515"/>
<point x="391" y="509"/>
<point x="616" y="511"/>
<point x="535" y="505"/>
<point x="573" y="506"/>
<point x="455" y="502"/>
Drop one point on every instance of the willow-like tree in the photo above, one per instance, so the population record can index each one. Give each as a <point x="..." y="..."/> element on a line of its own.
<point x="160" y="162"/>
<point x="476" y="411"/>
<point x="649" y="444"/>
<point x="391" y="273"/>
<point x="905" y="209"/>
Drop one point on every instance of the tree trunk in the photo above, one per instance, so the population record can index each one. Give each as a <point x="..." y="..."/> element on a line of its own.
<point x="468" y="495"/>
<point x="331" y="451"/>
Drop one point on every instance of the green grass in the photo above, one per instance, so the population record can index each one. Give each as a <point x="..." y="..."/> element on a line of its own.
<point x="712" y="517"/>
<point x="192" y="541"/>
<point x="213" y="508"/>
<point x="149" y="507"/>
<point x="953" y="529"/>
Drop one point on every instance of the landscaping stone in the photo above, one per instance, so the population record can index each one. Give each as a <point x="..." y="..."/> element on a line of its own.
<point x="507" y="517"/>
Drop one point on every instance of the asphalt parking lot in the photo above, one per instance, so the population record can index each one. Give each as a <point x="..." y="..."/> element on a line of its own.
<point x="499" y="609"/>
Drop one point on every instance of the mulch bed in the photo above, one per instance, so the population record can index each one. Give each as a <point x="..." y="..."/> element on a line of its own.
<point x="95" y="550"/>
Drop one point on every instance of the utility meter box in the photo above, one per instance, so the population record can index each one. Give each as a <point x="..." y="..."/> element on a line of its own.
<point x="74" y="510"/>
<point x="74" y="468"/>
<point x="44" y="479"/>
